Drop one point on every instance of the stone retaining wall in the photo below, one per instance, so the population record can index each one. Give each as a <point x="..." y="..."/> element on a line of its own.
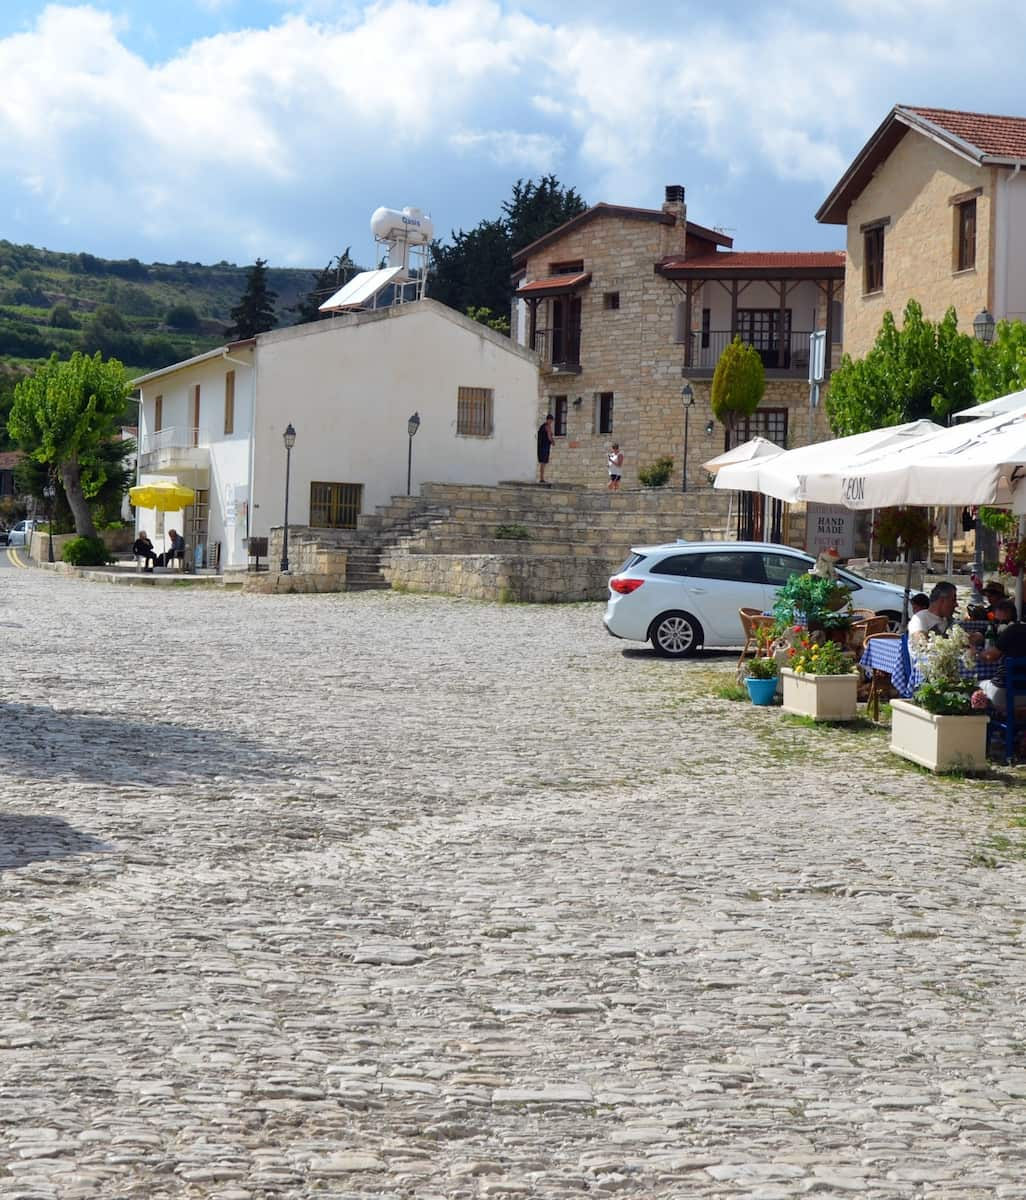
<point x="536" y="579"/>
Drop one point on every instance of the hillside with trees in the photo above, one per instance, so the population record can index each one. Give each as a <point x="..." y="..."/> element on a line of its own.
<point x="146" y="314"/>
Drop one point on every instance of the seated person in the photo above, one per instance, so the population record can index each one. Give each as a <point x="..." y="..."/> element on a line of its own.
<point x="142" y="548"/>
<point x="1011" y="643"/>
<point x="936" y="617"/>
<point x="919" y="601"/>
<point x="176" y="549"/>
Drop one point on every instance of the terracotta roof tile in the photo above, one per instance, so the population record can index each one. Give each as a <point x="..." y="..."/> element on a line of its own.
<point x="735" y="259"/>
<point x="555" y="283"/>
<point x="1001" y="136"/>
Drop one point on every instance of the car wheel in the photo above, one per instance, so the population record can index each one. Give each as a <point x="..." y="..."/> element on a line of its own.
<point x="893" y="621"/>
<point x="675" y="635"/>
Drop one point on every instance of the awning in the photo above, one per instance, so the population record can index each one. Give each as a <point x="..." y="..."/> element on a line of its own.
<point x="556" y="285"/>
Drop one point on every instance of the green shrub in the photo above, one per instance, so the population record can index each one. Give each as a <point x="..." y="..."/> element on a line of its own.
<point x="761" y="668"/>
<point x="657" y="475"/>
<point x="86" y="552"/>
<point x="513" y="533"/>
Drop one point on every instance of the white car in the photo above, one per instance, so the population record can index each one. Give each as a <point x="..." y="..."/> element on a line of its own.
<point x="684" y="595"/>
<point x="21" y="533"/>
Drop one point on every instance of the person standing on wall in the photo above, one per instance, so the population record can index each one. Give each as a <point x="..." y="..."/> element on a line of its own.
<point x="545" y="439"/>
<point x="615" y="460"/>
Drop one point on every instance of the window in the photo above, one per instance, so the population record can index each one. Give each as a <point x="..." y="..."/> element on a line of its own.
<point x="734" y="565"/>
<point x="965" y="235"/>
<point x="610" y="300"/>
<point x="474" y="412"/>
<point x="229" y="402"/>
<point x="706" y="327"/>
<point x="603" y="412"/>
<point x="335" y="505"/>
<point x="770" y="423"/>
<point x="677" y="564"/>
<point x="761" y="328"/>
<point x="158" y="414"/>
<point x="873" y="253"/>
<point x="558" y="410"/>
<point x="195" y="414"/>
<point x="780" y="567"/>
<point x="574" y="267"/>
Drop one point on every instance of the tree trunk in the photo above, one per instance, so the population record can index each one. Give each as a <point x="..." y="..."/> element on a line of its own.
<point x="71" y="480"/>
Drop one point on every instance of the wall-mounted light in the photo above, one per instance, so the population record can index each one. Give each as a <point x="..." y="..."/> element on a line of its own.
<point x="709" y="427"/>
<point x="578" y="402"/>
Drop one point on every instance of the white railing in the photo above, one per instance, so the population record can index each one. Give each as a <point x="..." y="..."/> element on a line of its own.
<point x="175" y="437"/>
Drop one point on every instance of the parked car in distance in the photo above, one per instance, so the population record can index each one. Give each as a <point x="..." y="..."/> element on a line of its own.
<point x="20" y="534"/>
<point x="683" y="595"/>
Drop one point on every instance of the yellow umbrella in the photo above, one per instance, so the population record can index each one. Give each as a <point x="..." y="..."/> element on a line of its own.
<point x="164" y="496"/>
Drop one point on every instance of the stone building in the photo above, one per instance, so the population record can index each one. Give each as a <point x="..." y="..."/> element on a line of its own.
<point x="626" y="305"/>
<point x="935" y="208"/>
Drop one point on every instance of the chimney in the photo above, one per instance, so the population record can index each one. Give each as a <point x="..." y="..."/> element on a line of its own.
<point x="673" y="237"/>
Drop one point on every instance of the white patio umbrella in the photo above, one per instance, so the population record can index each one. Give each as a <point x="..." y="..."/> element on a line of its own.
<point x="782" y="475"/>
<point x="1013" y="402"/>
<point x="755" y="448"/>
<point x="980" y="462"/>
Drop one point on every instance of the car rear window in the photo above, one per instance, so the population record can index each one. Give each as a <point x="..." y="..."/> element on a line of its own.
<point x="678" y="564"/>
<point x="632" y="561"/>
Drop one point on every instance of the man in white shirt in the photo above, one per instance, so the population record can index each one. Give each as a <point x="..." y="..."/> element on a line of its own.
<point x="936" y="618"/>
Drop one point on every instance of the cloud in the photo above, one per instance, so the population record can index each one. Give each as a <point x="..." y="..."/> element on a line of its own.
<point x="280" y="141"/>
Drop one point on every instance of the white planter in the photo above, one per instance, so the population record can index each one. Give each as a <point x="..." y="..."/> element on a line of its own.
<point x="939" y="743"/>
<point x="822" y="697"/>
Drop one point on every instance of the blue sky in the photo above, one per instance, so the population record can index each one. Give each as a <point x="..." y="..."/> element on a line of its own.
<point x="210" y="129"/>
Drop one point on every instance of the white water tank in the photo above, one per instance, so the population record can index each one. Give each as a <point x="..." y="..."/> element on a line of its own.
<point x="410" y="225"/>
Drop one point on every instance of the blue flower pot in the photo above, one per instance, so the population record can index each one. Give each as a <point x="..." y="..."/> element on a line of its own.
<point x="761" y="691"/>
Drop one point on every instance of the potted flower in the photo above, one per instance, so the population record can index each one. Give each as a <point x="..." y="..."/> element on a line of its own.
<point x="761" y="678"/>
<point x="819" y="680"/>
<point x="942" y="727"/>
<point x="819" y="604"/>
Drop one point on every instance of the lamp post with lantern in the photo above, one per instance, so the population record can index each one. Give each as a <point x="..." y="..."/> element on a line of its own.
<point x="289" y="438"/>
<point x="412" y="425"/>
<point x="49" y="494"/>
<point x="687" y="397"/>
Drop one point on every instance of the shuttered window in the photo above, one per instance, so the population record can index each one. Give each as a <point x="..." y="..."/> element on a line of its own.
<point x="229" y="402"/>
<point x="474" y="412"/>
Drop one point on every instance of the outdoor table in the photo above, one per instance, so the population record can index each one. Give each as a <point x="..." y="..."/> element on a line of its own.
<point x="890" y="656"/>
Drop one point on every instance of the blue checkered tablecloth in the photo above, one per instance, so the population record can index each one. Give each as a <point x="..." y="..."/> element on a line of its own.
<point x="887" y="654"/>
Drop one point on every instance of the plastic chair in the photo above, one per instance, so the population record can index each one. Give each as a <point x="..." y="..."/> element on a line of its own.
<point x="1012" y="719"/>
<point x="752" y="620"/>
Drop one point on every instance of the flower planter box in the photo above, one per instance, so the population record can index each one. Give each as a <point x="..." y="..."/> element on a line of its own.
<point x="822" y="697"/>
<point x="936" y="742"/>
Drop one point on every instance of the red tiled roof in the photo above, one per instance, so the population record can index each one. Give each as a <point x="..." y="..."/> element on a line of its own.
<point x="554" y="285"/>
<point x="761" y="258"/>
<point x="1004" y="137"/>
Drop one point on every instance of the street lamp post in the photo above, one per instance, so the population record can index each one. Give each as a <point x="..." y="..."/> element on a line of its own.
<point x="412" y="425"/>
<point x="289" y="439"/>
<point x="687" y="397"/>
<point x="49" y="493"/>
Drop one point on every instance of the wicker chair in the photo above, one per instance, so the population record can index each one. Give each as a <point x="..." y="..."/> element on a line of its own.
<point x="863" y="630"/>
<point x="752" y="620"/>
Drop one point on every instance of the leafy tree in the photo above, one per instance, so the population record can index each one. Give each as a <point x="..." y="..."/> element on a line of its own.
<point x="1001" y="366"/>
<point x="474" y="270"/>
<point x="254" y="312"/>
<point x="738" y="383"/>
<point x="924" y="369"/>
<point x="336" y="274"/>
<point x="61" y="317"/>
<point x="63" y="416"/>
<point x="485" y="316"/>
<point x="182" y="316"/>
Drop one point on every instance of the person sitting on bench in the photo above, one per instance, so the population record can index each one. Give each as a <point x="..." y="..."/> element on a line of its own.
<point x="175" y="550"/>
<point x="142" y="548"/>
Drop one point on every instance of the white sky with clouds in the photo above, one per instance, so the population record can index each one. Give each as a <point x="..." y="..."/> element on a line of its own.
<point x="210" y="129"/>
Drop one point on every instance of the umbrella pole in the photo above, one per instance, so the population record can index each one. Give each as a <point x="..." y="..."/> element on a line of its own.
<point x="949" y="557"/>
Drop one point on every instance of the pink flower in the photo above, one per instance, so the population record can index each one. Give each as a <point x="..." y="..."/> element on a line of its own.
<point x="978" y="700"/>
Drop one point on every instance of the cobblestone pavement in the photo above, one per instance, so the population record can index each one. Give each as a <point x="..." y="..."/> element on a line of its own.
<point x="394" y="896"/>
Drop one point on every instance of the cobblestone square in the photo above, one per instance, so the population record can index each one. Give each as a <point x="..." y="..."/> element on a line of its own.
<point x="381" y="895"/>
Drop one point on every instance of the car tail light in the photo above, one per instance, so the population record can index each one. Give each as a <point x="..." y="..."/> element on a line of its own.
<point x="625" y="586"/>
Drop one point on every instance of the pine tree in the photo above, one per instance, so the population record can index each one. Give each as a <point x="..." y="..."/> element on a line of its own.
<point x="254" y="312"/>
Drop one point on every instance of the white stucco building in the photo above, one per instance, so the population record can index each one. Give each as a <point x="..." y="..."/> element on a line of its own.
<point x="348" y="386"/>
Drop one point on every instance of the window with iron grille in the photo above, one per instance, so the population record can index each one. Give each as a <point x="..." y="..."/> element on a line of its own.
<point x="574" y="266"/>
<point x="873" y="250"/>
<point x="603" y="412"/>
<point x="558" y="409"/>
<point x="335" y="505"/>
<point x="770" y="423"/>
<point x="965" y="232"/>
<point x="474" y="412"/>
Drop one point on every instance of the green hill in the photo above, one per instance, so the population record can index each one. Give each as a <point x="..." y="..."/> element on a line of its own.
<point x="146" y="314"/>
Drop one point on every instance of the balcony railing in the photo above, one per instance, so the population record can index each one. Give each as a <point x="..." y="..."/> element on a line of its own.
<point x="178" y="445"/>
<point x="788" y="355"/>
<point x="559" y="348"/>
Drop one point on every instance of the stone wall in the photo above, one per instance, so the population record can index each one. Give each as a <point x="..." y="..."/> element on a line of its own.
<point x="314" y="565"/>
<point x="539" y="579"/>
<point x="913" y="189"/>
